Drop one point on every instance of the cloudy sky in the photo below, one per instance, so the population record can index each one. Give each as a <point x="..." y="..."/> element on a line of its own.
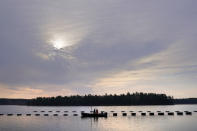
<point x="65" y="47"/>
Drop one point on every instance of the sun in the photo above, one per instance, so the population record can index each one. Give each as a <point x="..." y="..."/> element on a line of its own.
<point x="60" y="43"/>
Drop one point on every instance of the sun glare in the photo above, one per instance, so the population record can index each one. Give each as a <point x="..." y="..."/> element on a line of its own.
<point x="60" y="43"/>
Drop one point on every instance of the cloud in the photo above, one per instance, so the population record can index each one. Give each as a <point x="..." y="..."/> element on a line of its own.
<point x="115" y="45"/>
<point x="34" y="91"/>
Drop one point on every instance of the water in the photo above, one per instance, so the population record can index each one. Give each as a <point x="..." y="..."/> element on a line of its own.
<point x="76" y="123"/>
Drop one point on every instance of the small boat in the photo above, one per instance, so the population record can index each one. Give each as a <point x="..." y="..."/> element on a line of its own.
<point x="102" y="114"/>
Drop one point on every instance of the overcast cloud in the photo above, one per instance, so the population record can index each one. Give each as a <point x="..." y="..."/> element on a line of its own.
<point x="114" y="46"/>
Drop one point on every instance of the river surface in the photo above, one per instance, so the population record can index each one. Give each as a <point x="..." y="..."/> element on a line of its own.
<point x="111" y="123"/>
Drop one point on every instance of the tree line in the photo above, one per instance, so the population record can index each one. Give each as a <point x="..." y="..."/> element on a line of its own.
<point x="186" y="101"/>
<point x="4" y="101"/>
<point x="104" y="100"/>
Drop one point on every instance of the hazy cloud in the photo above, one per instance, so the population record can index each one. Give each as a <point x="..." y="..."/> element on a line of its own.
<point x="119" y="46"/>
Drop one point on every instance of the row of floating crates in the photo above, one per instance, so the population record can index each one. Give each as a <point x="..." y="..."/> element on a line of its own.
<point x="116" y="114"/>
<point x="55" y="111"/>
<point x="110" y="111"/>
<point x="155" y="111"/>
<point x="152" y="113"/>
<point x="36" y="114"/>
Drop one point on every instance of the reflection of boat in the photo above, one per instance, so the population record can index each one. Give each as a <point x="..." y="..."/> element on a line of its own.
<point x="102" y="114"/>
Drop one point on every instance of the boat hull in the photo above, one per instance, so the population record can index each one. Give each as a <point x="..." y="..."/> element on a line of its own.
<point x="93" y="115"/>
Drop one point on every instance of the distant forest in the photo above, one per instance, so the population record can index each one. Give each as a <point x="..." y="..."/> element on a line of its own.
<point x="104" y="100"/>
<point x="4" y="101"/>
<point x="186" y="101"/>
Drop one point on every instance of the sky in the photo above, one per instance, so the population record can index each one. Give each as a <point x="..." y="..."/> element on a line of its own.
<point x="68" y="47"/>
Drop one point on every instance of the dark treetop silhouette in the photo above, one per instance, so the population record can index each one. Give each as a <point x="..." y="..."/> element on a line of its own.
<point x="105" y="100"/>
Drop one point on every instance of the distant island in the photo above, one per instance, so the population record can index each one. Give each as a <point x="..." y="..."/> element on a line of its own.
<point x="5" y="101"/>
<point x="101" y="100"/>
<point x="105" y="100"/>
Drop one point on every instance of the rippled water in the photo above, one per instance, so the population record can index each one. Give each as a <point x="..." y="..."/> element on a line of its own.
<point x="76" y="123"/>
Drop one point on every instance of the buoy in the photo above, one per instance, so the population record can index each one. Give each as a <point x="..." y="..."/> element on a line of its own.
<point x="124" y="114"/>
<point x="46" y="114"/>
<point x="65" y="114"/>
<point x="37" y="114"/>
<point x="143" y="114"/>
<point x="170" y="113"/>
<point x="161" y="114"/>
<point x="75" y="114"/>
<point x="55" y="114"/>
<point x="28" y="114"/>
<point x="19" y="114"/>
<point x="151" y="114"/>
<point x="133" y="114"/>
<point x="115" y="114"/>
<point x="180" y="113"/>
<point x="188" y="113"/>
<point x="9" y="114"/>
